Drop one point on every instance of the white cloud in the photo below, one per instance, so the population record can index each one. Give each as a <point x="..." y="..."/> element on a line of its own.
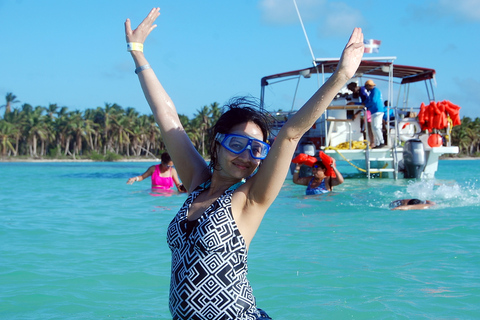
<point x="332" y="18"/>
<point x="283" y="11"/>
<point x="459" y="10"/>
<point x="463" y="9"/>
<point x="340" y="20"/>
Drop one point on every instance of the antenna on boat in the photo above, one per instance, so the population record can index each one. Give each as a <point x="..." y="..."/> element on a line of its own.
<point x="307" y="75"/>
<point x="305" y="33"/>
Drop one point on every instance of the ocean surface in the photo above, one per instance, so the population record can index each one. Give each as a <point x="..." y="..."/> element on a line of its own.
<point x="77" y="242"/>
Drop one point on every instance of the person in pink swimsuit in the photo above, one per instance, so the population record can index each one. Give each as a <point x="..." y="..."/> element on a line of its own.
<point x="164" y="175"/>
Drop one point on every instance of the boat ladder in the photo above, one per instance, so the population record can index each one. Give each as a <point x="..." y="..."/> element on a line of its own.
<point x="392" y="158"/>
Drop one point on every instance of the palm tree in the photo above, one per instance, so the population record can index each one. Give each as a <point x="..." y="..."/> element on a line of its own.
<point x="203" y="118"/>
<point x="10" y="99"/>
<point x="77" y="131"/>
<point x="6" y="135"/>
<point x="92" y="129"/>
<point x="476" y="129"/>
<point x="152" y="135"/>
<point x="467" y="136"/>
<point x="121" y="133"/>
<point x="215" y="111"/>
<point x="105" y="118"/>
<point x="36" y="128"/>
<point x="137" y="137"/>
<point x="16" y="119"/>
<point x="195" y="134"/>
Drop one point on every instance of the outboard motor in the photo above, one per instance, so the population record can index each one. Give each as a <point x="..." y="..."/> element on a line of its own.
<point x="309" y="148"/>
<point x="413" y="158"/>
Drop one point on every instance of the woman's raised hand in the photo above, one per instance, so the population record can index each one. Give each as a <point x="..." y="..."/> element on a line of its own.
<point x="143" y="30"/>
<point x="352" y="54"/>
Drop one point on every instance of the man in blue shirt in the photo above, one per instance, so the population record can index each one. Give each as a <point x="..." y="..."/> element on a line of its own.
<point x="362" y="93"/>
<point x="374" y="104"/>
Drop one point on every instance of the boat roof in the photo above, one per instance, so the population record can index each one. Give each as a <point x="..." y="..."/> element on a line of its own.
<point x="368" y="67"/>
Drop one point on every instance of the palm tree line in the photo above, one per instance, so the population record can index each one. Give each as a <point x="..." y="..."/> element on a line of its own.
<point x="467" y="137"/>
<point x="56" y="132"/>
<point x="113" y="131"/>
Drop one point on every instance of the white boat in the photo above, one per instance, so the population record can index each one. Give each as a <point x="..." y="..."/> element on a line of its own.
<point x="408" y="153"/>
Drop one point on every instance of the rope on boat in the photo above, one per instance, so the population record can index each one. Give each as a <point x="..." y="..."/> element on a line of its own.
<point x="355" y="145"/>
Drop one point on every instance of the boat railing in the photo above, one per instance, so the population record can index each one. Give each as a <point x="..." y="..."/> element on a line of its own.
<point x="348" y="119"/>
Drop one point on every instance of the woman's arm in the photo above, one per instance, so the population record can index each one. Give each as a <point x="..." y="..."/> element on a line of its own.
<point x="296" y="178"/>
<point x="178" y="184"/>
<point x="143" y="176"/>
<point x="191" y="166"/>
<point x="338" y="179"/>
<point x="265" y="185"/>
<point x="414" y="207"/>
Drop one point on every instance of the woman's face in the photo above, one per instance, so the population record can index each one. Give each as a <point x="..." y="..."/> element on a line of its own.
<point x="167" y="164"/>
<point x="240" y="165"/>
<point x="318" y="172"/>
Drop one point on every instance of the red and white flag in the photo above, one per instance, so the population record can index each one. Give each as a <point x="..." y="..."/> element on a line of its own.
<point x="371" y="46"/>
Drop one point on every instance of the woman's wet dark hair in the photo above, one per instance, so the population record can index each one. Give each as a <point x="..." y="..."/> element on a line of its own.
<point x="165" y="157"/>
<point x="236" y="111"/>
<point x="320" y="165"/>
<point x="415" y="201"/>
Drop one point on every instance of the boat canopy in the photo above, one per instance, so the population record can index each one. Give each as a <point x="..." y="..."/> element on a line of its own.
<point x="368" y="67"/>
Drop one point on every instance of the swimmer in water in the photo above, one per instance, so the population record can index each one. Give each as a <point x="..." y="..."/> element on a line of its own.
<point x="410" y="204"/>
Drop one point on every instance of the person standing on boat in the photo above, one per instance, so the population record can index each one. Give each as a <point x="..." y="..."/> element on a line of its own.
<point x="228" y="198"/>
<point x="388" y="120"/>
<point x="362" y="93"/>
<point x="358" y="92"/>
<point x="374" y="104"/>
<point x="163" y="175"/>
<point x="319" y="182"/>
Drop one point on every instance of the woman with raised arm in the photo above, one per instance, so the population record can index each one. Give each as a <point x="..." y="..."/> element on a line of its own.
<point x="210" y="235"/>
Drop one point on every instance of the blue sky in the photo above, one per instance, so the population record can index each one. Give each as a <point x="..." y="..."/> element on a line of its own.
<point x="72" y="53"/>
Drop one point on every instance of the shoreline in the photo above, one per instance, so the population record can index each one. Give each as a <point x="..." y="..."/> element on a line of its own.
<point x="6" y="160"/>
<point x="74" y="160"/>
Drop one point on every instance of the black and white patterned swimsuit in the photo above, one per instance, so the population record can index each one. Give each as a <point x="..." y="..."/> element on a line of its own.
<point x="209" y="264"/>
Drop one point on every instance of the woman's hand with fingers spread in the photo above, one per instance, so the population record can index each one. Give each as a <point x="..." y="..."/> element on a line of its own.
<point x="143" y="30"/>
<point x="352" y="54"/>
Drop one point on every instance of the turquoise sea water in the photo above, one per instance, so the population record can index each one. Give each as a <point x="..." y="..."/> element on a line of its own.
<point x="77" y="242"/>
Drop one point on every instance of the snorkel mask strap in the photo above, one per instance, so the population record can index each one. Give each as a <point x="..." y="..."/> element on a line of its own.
<point x="219" y="137"/>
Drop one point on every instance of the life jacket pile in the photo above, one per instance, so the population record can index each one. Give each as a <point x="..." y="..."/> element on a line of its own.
<point x="305" y="159"/>
<point x="436" y="114"/>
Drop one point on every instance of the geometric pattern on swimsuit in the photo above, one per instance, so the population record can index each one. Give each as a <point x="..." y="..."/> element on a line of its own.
<point x="209" y="264"/>
<point x="318" y="190"/>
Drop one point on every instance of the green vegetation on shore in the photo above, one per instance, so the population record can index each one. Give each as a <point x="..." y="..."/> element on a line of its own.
<point x="102" y="134"/>
<point x="113" y="133"/>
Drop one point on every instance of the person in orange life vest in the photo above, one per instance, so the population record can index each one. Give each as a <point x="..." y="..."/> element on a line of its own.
<point x="319" y="182"/>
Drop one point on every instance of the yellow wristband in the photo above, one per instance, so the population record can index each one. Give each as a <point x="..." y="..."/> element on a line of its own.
<point x="134" y="46"/>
